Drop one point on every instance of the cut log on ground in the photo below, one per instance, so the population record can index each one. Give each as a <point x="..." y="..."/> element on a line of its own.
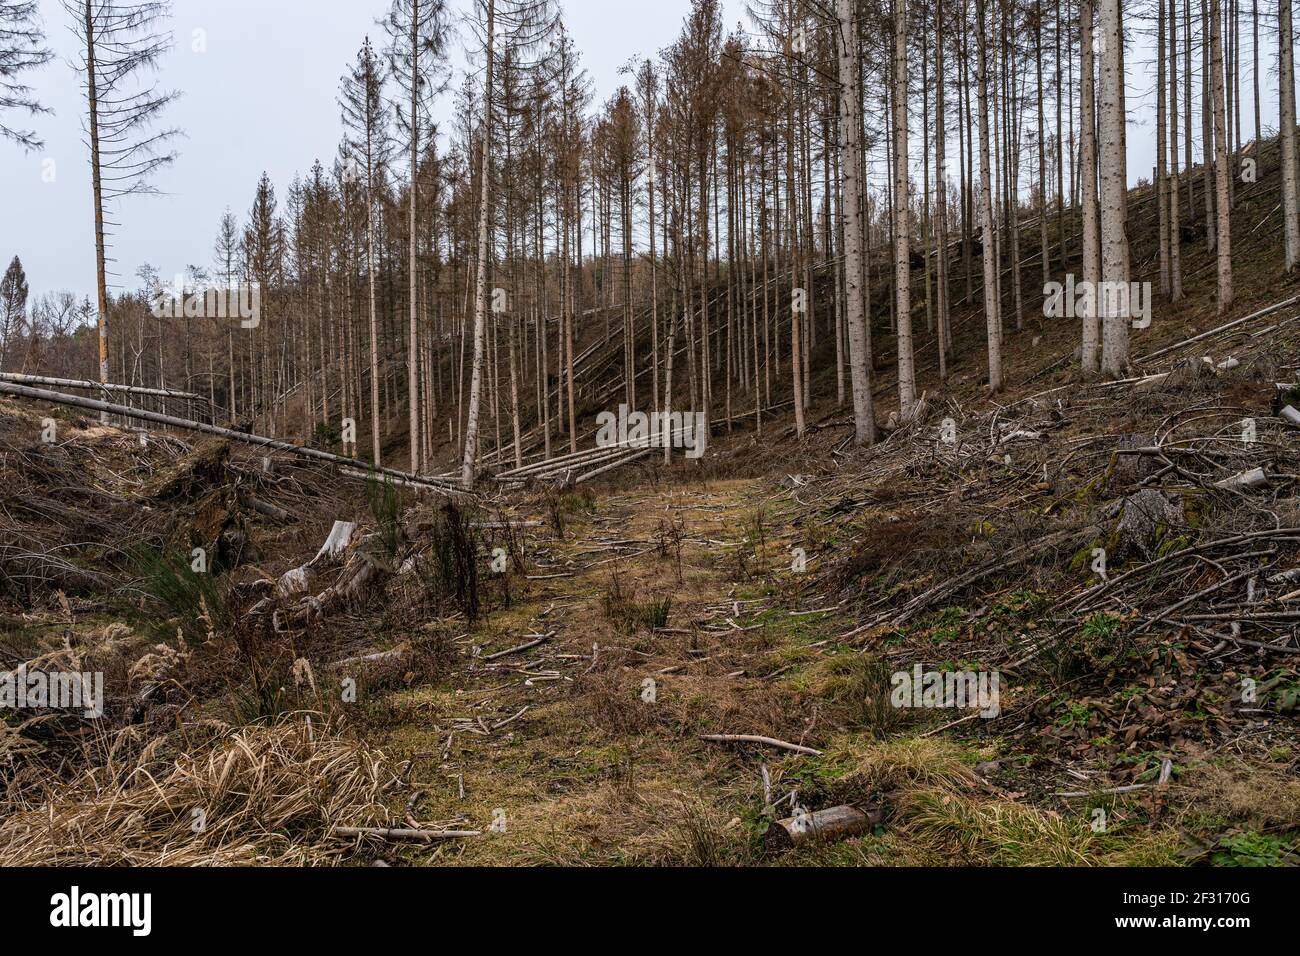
<point x="833" y="823"/>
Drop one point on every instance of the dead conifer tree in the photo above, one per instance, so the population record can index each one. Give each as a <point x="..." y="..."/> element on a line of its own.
<point x="365" y="117"/>
<point x="118" y="44"/>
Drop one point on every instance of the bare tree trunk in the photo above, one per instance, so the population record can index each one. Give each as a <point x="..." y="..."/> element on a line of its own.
<point x="1091" y="355"/>
<point x="941" y="194"/>
<point x="1162" y="184"/>
<point x="1286" y="123"/>
<point x="1221" y="171"/>
<point x="101" y="277"/>
<point x="992" y="316"/>
<point x="412" y="365"/>
<point x="850" y="149"/>
<point x="902" y="219"/>
<point x="1254" y="27"/>
<point x="374" y="320"/>
<point x="1175" y="221"/>
<point x="1042" y="147"/>
<point x="469" y="461"/>
<point x="1207" y="131"/>
<point x="796" y="307"/>
<point x="1114" y="346"/>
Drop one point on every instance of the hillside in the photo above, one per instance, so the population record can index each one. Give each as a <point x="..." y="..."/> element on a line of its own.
<point x="550" y="674"/>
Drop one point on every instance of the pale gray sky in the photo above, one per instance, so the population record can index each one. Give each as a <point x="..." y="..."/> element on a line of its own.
<point x="263" y="97"/>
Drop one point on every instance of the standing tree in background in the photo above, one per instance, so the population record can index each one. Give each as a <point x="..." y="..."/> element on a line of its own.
<point x="418" y="29"/>
<point x="469" y="460"/>
<point x="1114" y="255"/>
<point x="522" y="25"/>
<point x="846" y="34"/>
<point x="22" y="48"/>
<point x="119" y="43"/>
<point x="902" y="217"/>
<point x="647" y="90"/>
<point x="1221" y="169"/>
<point x="1286" y="78"/>
<point x="224" y="252"/>
<point x="992" y="309"/>
<point x="623" y="155"/>
<point x="1175" y="221"/>
<point x="13" y="306"/>
<point x="1091" y="352"/>
<point x="365" y="117"/>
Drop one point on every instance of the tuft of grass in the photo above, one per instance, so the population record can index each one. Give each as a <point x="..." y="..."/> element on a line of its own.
<point x="264" y="794"/>
<point x="450" y="572"/>
<point x="386" y="507"/>
<point x="1005" y="833"/>
<point x="198" y="601"/>
<point x="623" y="609"/>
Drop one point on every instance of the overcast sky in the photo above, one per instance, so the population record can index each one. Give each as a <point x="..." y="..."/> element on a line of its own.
<point x="263" y="96"/>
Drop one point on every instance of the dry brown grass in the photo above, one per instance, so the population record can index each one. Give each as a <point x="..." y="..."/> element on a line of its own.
<point x="264" y="794"/>
<point x="1247" y="794"/>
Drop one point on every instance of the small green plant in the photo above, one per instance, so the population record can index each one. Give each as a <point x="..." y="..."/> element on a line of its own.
<point x="1249" y="849"/>
<point x="560" y="505"/>
<point x="450" y="570"/>
<point x="197" y="600"/>
<point x="1076" y="714"/>
<point x="1101" y="640"/>
<point x="386" y="507"/>
<point x="327" y="434"/>
<point x="868" y="695"/>
<point x="1100" y="627"/>
<point x="946" y="626"/>
<point x="653" y="614"/>
<point x="623" y="609"/>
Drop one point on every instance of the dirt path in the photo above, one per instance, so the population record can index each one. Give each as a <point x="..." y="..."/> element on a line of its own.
<point x="585" y="747"/>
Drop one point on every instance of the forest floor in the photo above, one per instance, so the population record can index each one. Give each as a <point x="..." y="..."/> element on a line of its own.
<point x="565" y="726"/>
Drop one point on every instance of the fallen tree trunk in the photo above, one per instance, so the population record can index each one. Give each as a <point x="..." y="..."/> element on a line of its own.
<point x="635" y="456"/>
<point x="1222" y="328"/>
<point x="98" y="386"/>
<point x="94" y="405"/>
